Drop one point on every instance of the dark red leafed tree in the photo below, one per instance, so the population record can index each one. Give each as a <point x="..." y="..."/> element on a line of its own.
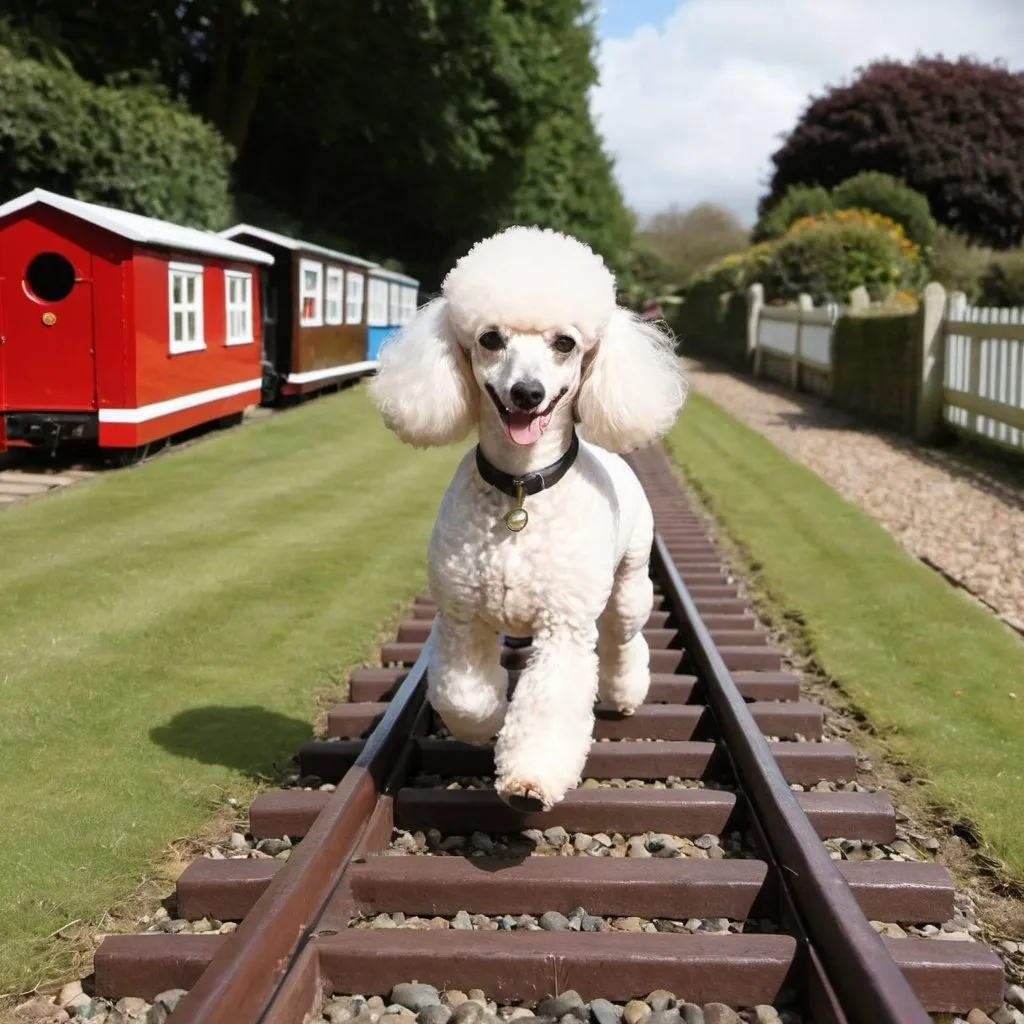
<point x="951" y="130"/>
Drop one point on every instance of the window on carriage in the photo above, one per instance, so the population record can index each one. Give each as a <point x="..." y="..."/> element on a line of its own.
<point x="378" y="310"/>
<point x="394" y="304"/>
<point x="408" y="304"/>
<point x="311" y="293"/>
<point x="238" y="293"/>
<point x="335" y="295"/>
<point x="354" y="299"/>
<point x="185" y="286"/>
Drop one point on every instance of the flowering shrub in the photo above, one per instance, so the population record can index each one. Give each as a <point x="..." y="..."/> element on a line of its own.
<point x="859" y="218"/>
<point x="829" y="254"/>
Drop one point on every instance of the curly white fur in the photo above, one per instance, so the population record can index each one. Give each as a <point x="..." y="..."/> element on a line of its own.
<point x="529" y="316"/>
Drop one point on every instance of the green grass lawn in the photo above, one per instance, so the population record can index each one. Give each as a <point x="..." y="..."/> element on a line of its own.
<point x="899" y="640"/>
<point x="164" y="632"/>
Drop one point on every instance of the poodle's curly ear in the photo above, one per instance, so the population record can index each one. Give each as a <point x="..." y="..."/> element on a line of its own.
<point x="633" y="388"/>
<point x="424" y="387"/>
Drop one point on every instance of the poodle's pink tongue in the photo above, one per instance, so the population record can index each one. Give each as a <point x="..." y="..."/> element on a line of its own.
<point x="525" y="428"/>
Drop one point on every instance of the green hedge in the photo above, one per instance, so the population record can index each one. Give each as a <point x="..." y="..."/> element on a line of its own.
<point x="132" y="147"/>
<point x="891" y="197"/>
<point x="799" y="201"/>
<point x="710" y="323"/>
<point x="876" y="364"/>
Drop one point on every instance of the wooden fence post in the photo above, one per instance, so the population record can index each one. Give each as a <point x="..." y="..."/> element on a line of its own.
<point x="804" y="304"/>
<point x="933" y="362"/>
<point x="859" y="299"/>
<point x="755" y="302"/>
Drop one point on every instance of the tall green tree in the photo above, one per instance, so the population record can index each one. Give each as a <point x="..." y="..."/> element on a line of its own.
<point x="951" y="130"/>
<point x="400" y="128"/>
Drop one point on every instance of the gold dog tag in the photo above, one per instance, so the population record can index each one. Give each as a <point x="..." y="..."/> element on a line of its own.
<point x="517" y="518"/>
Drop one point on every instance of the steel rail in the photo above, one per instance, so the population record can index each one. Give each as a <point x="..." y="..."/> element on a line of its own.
<point x="245" y="975"/>
<point x="869" y="984"/>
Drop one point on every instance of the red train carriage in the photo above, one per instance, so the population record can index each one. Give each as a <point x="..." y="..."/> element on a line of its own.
<point x="120" y="329"/>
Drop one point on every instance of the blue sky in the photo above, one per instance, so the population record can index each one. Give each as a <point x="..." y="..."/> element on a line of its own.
<point x="694" y="95"/>
<point x="618" y="18"/>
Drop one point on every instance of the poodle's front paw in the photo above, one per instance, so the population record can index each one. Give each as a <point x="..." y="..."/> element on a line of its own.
<point x="526" y="797"/>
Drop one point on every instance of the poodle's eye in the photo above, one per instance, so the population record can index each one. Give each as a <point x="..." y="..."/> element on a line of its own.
<point x="564" y="343"/>
<point x="492" y="341"/>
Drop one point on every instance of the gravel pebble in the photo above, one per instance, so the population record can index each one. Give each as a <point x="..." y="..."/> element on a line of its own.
<point x="557" y="842"/>
<point x="977" y="1016"/>
<point x="636" y="1011"/>
<point x="469" y="1012"/>
<point x="457" y="1007"/>
<point x="604" y="1012"/>
<point x="415" y="996"/>
<point x="434" y="1014"/>
<point x="553" y="921"/>
<point x="1003" y="1015"/>
<point x="132" y="1007"/>
<point x="567" y="1003"/>
<point x="661" y="999"/>
<point x="664" y="1017"/>
<point x="719" y="1013"/>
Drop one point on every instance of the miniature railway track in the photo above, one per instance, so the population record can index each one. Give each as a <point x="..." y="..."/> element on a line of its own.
<point x="740" y="904"/>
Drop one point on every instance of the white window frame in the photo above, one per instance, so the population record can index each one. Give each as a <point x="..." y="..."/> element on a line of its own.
<point x="335" y="276"/>
<point x="377" y="312"/>
<point x="244" y="278"/>
<point x="316" y="294"/>
<point x="394" y="304"/>
<point x="185" y="272"/>
<point x="408" y="303"/>
<point x="354" y="289"/>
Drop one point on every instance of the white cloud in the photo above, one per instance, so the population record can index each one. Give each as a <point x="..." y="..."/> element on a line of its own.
<point x="693" y="111"/>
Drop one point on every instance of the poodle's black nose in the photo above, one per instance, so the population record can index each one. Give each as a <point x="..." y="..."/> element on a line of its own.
<point x="527" y="394"/>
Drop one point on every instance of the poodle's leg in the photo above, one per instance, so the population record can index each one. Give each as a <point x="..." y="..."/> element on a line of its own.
<point x="546" y="737"/>
<point x="466" y="684"/>
<point x="624" y="675"/>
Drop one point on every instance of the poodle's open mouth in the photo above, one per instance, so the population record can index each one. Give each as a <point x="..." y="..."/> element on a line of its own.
<point x="524" y="428"/>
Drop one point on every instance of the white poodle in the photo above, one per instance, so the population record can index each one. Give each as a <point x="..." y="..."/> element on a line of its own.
<point x="538" y="535"/>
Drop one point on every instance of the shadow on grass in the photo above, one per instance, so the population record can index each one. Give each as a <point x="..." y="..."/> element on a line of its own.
<point x="248" y="739"/>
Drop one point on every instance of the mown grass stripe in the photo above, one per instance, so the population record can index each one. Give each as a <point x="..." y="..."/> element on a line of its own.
<point x="165" y="631"/>
<point x="933" y="671"/>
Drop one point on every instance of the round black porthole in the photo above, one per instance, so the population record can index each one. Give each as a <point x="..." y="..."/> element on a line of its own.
<point x="50" y="277"/>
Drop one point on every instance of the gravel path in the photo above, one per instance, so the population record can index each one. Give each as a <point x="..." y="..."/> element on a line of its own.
<point x="966" y="522"/>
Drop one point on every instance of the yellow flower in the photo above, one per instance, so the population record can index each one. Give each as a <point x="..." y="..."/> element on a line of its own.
<point x="865" y="218"/>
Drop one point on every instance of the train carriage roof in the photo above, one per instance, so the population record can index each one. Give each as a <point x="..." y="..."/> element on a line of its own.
<point x="393" y="275"/>
<point x="139" y="229"/>
<point x="295" y="244"/>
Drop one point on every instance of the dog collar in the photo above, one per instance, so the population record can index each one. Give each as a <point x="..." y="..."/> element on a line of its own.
<point x="532" y="483"/>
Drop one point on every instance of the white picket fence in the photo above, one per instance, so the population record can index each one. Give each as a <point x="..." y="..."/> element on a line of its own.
<point x="800" y="333"/>
<point x="983" y="373"/>
<point x="972" y="359"/>
<point x="793" y="344"/>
